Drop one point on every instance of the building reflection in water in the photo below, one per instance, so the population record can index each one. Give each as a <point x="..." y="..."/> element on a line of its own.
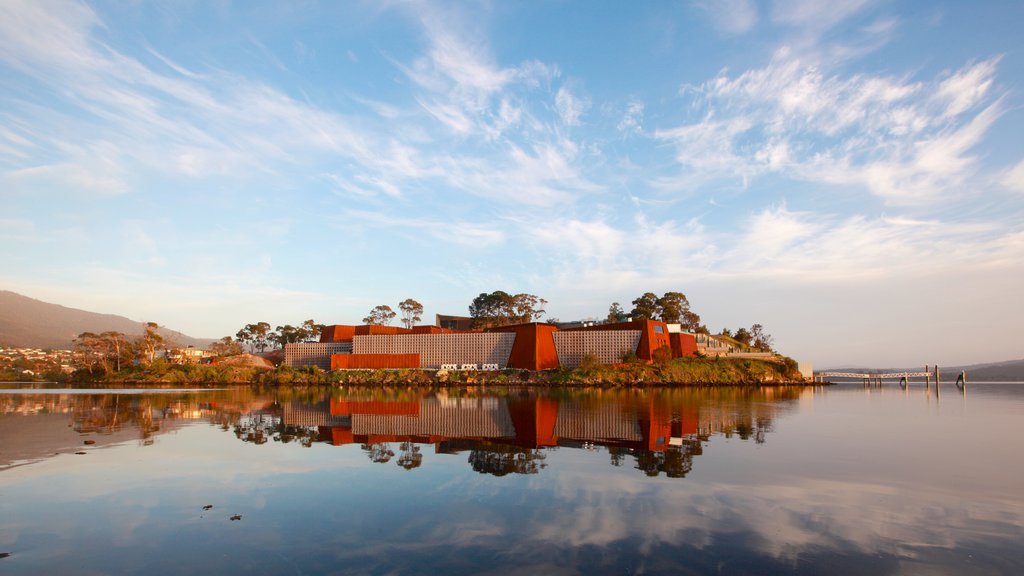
<point x="501" y="431"/>
<point x="660" y="430"/>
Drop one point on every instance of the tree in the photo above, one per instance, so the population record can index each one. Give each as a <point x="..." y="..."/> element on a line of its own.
<point x="257" y="336"/>
<point x="287" y="334"/>
<point x="380" y="316"/>
<point x="501" y="309"/>
<point x="726" y="332"/>
<point x="148" y="342"/>
<point x="762" y="340"/>
<point x="226" y="347"/>
<point x="311" y="331"/>
<point x="646" y="307"/>
<point x="616" y="314"/>
<point x="105" y="350"/>
<point x="93" y="351"/>
<point x="742" y="336"/>
<point x="115" y="341"/>
<point x="412" y="312"/>
<point x="674" y="308"/>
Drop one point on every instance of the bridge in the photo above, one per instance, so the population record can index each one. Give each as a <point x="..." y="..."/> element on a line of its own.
<point x="870" y="378"/>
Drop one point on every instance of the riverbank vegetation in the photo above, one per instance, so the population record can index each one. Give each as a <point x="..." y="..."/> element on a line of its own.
<point x="668" y="372"/>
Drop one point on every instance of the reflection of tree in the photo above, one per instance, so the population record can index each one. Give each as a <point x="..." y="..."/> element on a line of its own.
<point x="410" y="457"/>
<point x="378" y="452"/>
<point x="499" y="459"/>
<point x="674" y="461"/>
<point x="261" y="428"/>
<point x="617" y="454"/>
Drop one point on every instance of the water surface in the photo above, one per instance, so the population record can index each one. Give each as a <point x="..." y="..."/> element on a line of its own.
<point x="834" y="480"/>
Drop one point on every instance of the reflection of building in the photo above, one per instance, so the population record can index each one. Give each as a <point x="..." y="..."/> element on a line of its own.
<point x="525" y="422"/>
<point x="532" y="346"/>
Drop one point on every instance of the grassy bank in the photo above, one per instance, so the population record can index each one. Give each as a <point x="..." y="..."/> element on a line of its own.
<point x="680" y="371"/>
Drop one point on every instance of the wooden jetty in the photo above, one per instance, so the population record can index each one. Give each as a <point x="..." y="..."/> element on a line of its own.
<point x="871" y="378"/>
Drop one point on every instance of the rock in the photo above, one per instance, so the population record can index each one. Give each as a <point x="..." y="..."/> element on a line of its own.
<point x="236" y="517"/>
<point x="90" y="442"/>
<point x="4" y="554"/>
<point x="80" y="453"/>
<point x="208" y="506"/>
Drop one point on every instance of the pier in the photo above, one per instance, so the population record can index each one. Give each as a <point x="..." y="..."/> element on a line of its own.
<point x="871" y="378"/>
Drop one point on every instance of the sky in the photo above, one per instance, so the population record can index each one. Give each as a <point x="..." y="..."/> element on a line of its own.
<point x="848" y="174"/>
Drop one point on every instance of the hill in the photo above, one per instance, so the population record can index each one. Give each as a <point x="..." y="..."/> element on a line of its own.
<point x="29" y="323"/>
<point x="1008" y="371"/>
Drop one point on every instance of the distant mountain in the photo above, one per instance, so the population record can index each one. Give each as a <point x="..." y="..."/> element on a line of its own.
<point x="29" y="323"/>
<point x="1009" y="371"/>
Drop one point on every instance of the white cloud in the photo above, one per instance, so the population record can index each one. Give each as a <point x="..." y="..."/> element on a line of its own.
<point x="814" y="15"/>
<point x="569" y="107"/>
<point x="887" y="134"/>
<point x="731" y="16"/>
<point x="1013" y="179"/>
<point x="633" y="118"/>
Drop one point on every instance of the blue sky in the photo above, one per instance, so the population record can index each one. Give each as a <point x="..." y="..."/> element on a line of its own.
<point x="849" y="174"/>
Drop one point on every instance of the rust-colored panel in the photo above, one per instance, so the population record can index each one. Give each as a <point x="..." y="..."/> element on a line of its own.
<point x="689" y="416"/>
<point x="374" y="361"/>
<point x="374" y="330"/>
<point x="337" y="333"/>
<point x="655" y="425"/>
<point x="534" y="346"/>
<point x="534" y="420"/>
<point x="683" y="345"/>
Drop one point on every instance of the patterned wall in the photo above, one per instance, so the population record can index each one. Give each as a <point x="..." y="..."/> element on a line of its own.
<point x="437" y="349"/>
<point x="608" y="345"/>
<point x="314" y="354"/>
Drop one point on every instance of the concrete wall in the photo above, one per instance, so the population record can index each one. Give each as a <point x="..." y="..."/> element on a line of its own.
<point x="314" y="354"/>
<point x="438" y="349"/>
<point x="608" y="345"/>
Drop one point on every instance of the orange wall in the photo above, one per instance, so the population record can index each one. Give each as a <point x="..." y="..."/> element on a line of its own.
<point x="374" y="361"/>
<point x="374" y="330"/>
<point x="534" y="346"/>
<point x="683" y="345"/>
<point x="337" y="333"/>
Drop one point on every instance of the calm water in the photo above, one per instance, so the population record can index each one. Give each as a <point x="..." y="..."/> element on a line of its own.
<point x="837" y="480"/>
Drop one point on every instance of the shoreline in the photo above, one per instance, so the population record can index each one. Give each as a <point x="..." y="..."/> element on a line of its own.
<point x="680" y="372"/>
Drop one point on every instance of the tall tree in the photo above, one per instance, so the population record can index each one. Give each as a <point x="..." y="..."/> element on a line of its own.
<point x="762" y="340"/>
<point x="311" y="330"/>
<point x="616" y="313"/>
<point x="381" y="316"/>
<point x="412" y="312"/>
<point x="257" y="336"/>
<point x="646" y="307"/>
<point x="500" y="308"/>
<point x="149" y="342"/>
<point x="115" y="344"/>
<point x="226" y="347"/>
<point x="742" y="336"/>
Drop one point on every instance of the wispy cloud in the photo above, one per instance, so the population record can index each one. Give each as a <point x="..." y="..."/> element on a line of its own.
<point x="731" y="16"/>
<point x="906" y="141"/>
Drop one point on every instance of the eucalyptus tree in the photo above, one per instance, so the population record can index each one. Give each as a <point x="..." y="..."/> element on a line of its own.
<point x="412" y="312"/>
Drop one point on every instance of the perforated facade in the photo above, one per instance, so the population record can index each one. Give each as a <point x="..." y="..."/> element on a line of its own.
<point x="608" y="345"/>
<point x="438" y="349"/>
<point x="314" y="354"/>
